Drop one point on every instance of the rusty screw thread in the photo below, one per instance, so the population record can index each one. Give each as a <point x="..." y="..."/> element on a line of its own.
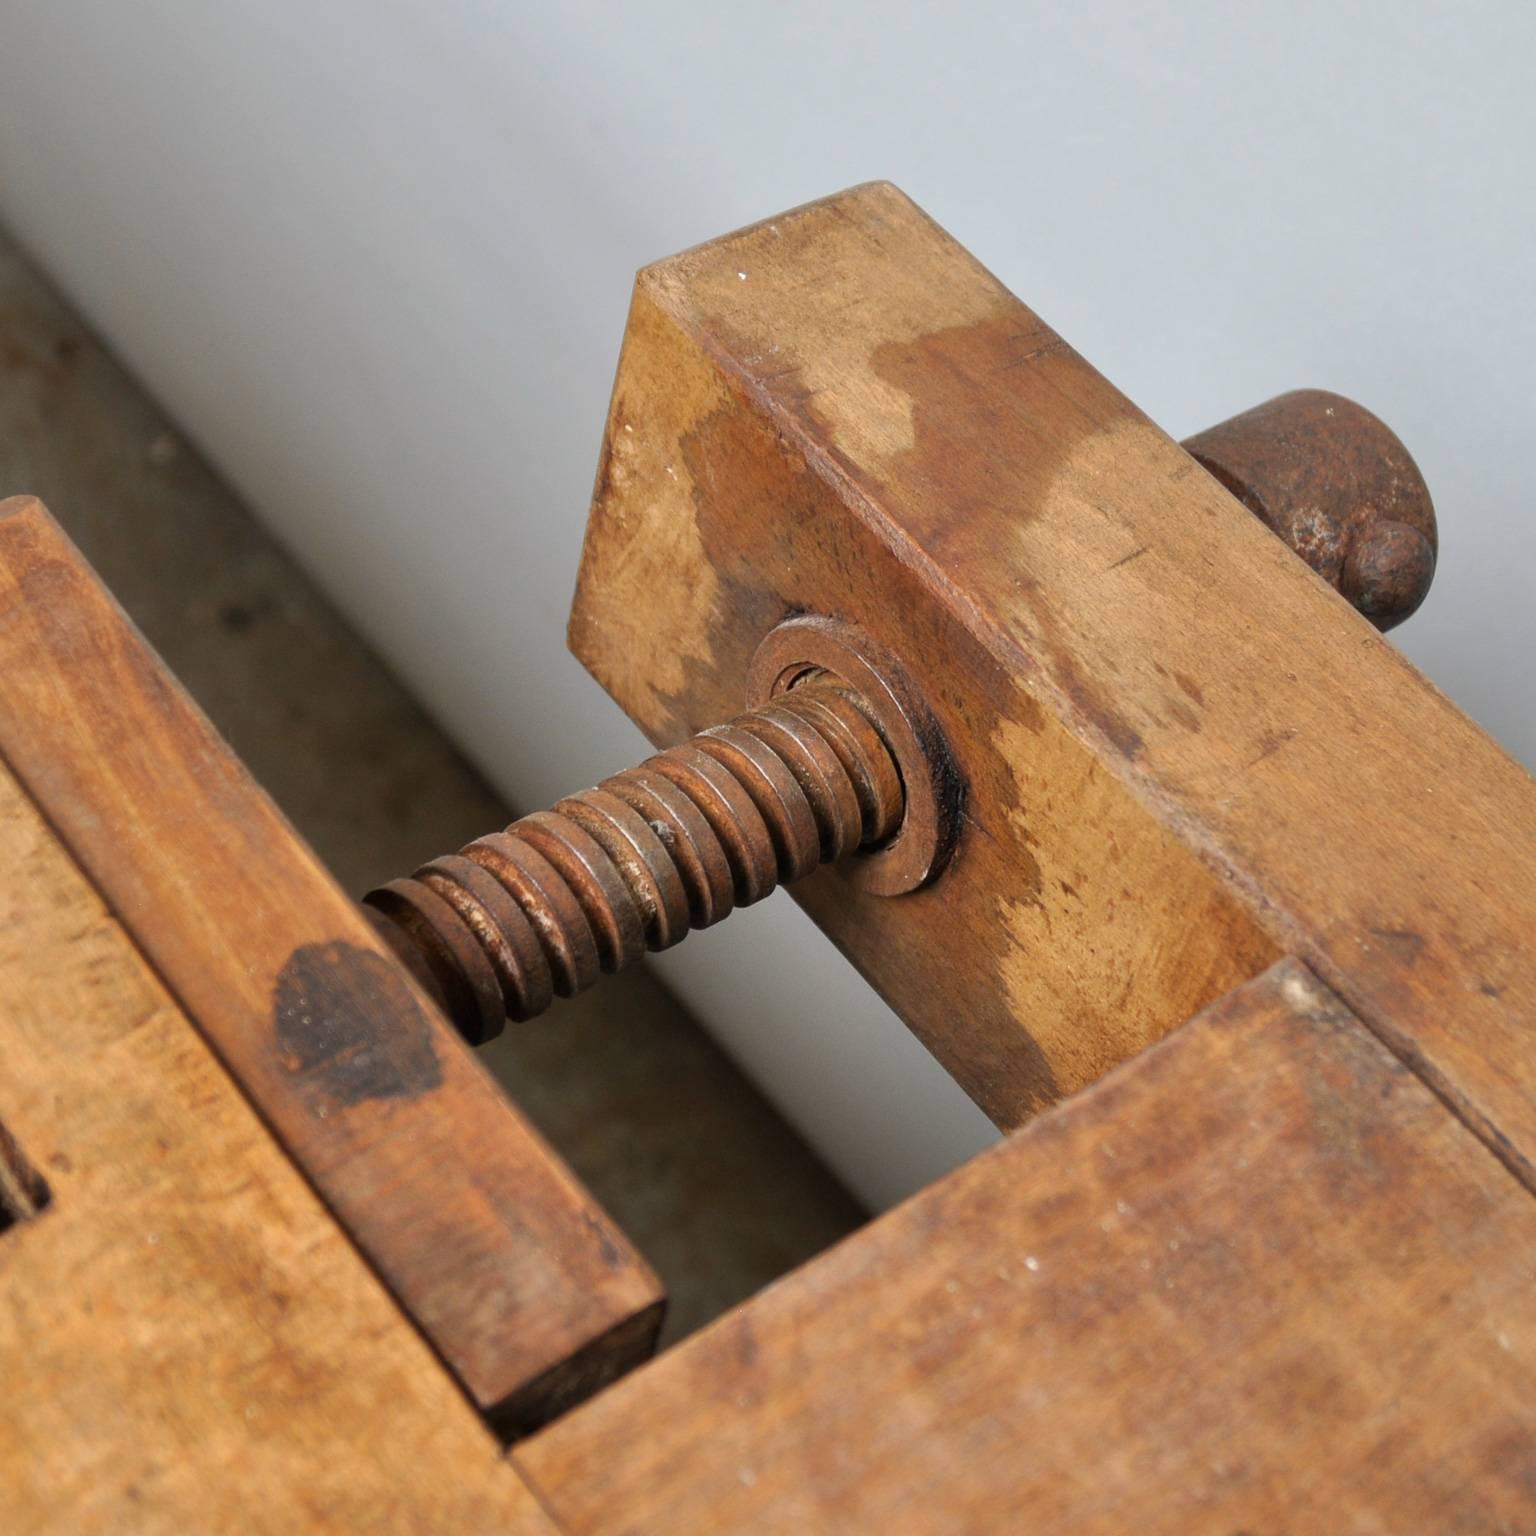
<point x="543" y="908"/>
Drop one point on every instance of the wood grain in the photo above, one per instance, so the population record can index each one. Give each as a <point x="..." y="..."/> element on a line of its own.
<point x="531" y="1295"/>
<point x="1258" y="1279"/>
<point x="188" y="1342"/>
<point x="1184" y="754"/>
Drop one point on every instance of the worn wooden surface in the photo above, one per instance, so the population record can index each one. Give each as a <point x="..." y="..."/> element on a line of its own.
<point x="188" y="1342"/>
<point x="529" y="1292"/>
<point x="1259" y="1280"/>
<point x="1184" y="754"/>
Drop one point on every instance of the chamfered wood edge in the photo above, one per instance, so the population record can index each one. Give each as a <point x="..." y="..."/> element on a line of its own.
<point x="590" y="1306"/>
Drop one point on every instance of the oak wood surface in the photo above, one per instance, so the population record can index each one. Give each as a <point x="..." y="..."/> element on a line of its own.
<point x="1257" y="1280"/>
<point x="1184" y="754"/>
<point x="531" y="1295"/>
<point x="188" y="1342"/>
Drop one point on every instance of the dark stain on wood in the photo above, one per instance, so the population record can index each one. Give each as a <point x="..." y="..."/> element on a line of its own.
<point x="1190" y="686"/>
<point x="1404" y="943"/>
<point x="23" y="1190"/>
<point x="979" y="448"/>
<point x="348" y="1029"/>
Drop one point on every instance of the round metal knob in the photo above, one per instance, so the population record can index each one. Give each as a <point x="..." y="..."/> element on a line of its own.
<point x="1339" y="487"/>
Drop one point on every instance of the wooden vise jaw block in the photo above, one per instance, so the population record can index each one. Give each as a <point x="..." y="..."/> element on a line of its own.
<point x="530" y="1294"/>
<point x="1183" y="755"/>
<point x="1257" y="1279"/>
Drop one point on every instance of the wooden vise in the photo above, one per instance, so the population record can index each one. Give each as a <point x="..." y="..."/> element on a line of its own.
<point x="1189" y="879"/>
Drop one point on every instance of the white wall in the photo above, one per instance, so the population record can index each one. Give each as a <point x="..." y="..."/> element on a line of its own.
<point x="376" y="258"/>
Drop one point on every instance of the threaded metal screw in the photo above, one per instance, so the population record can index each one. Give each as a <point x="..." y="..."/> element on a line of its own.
<point x="497" y="930"/>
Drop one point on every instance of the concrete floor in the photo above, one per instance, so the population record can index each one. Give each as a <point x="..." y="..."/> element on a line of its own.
<point x="713" y="1186"/>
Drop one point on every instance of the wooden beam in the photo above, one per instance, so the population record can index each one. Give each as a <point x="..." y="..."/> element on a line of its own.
<point x="529" y="1292"/>
<point x="1259" y="1279"/>
<point x="1184" y="754"/>
<point x="188" y="1341"/>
